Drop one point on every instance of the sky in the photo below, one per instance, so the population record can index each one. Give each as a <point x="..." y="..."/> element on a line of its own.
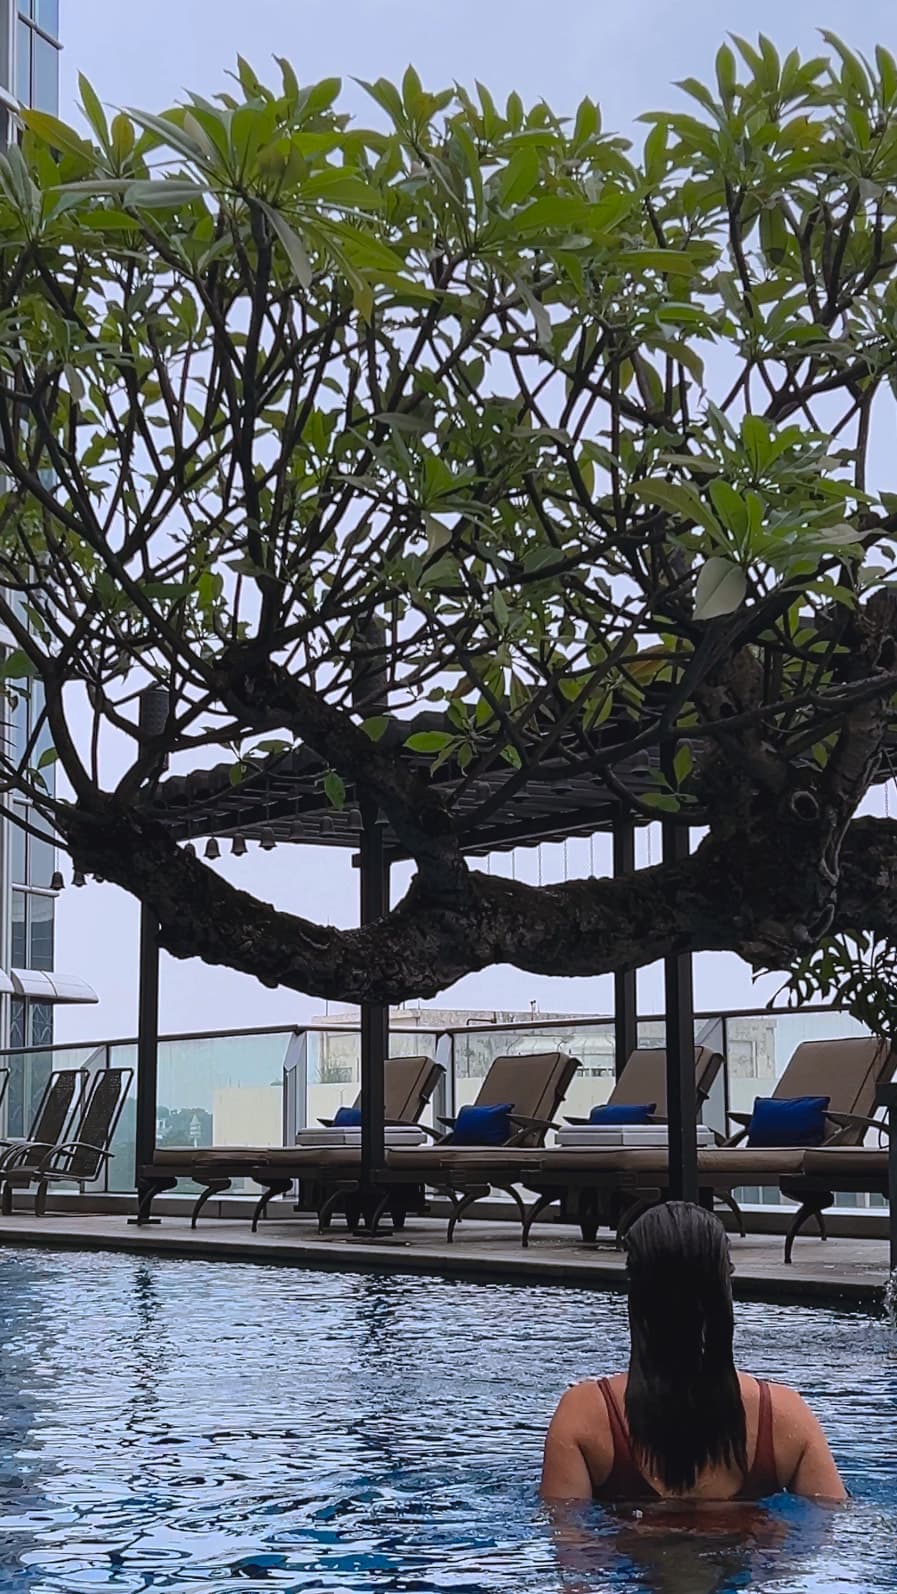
<point x="146" y="54"/>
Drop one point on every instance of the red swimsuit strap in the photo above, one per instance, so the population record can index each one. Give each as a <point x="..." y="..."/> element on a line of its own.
<point x="762" y="1477"/>
<point x="626" y="1481"/>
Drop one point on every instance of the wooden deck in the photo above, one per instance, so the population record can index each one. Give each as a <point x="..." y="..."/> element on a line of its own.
<point x="839" y="1270"/>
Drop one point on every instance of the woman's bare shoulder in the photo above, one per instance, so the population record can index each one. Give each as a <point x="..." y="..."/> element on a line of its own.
<point x="581" y="1412"/>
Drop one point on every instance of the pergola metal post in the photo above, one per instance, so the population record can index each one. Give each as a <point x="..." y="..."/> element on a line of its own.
<point x="370" y="695"/>
<point x="154" y="710"/>
<point x="374" y="872"/>
<point x="887" y="1097"/>
<point x="682" y="1101"/>
<point x="147" y="1042"/>
<point x="625" y="989"/>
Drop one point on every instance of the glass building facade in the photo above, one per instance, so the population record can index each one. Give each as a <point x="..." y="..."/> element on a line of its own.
<point x="29" y="75"/>
<point x="29" y="59"/>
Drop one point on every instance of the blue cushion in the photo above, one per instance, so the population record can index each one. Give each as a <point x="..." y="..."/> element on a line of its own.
<point x="612" y="1113"/>
<point x="788" y="1121"/>
<point x="484" y="1126"/>
<point x="347" y="1118"/>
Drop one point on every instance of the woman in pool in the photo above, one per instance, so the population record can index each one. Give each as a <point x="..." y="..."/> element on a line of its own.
<point x="683" y="1424"/>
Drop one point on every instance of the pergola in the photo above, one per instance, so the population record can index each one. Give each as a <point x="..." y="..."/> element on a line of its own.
<point x="283" y="802"/>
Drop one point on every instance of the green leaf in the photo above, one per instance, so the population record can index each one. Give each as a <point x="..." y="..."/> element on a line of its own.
<point x="56" y="133"/>
<point x="729" y="506"/>
<point x="293" y="245"/>
<point x="588" y="122"/>
<point x="500" y="609"/>
<point x="48" y="756"/>
<point x="774" y="237"/>
<point x="726" y="74"/>
<point x="664" y="800"/>
<point x="674" y="261"/>
<point x="519" y="177"/>
<point x="679" y="498"/>
<point x="655" y="155"/>
<point x="683" y="764"/>
<point x="887" y="71"/>
<point x="335" y="789"/>
<point x="756" y="438"/>
<point x="290" y="80"/>
<point x="16" y="666"/>
<point x="93" y="110"/>
<point x="169" y="134"/>
<point x="122" y="137"/>
<point x="412" y="91"/>
<point x="429" y="741"/>
<point x="721" y="589"/>
<point x="168" y="193"/>
<point x="375" y="727"/>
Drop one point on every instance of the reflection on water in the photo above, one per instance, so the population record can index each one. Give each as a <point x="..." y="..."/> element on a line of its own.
<point x="205" y="1428"/>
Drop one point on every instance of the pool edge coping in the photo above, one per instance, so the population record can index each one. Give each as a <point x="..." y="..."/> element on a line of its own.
<point x="347" y="1256"/>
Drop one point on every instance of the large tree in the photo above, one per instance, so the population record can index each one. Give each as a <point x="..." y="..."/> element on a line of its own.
<point x="597" y="435"/>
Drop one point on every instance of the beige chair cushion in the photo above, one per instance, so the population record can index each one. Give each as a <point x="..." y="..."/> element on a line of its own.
<point x="719" y="1168"/>
<point x="430" y="1162"/>
<point x="848" y="1071"/>
<point x="181" y="1161"/>
<point x="843" y="1163"/>
<point x="644" y="1078"/>
<point x="535" y="1084"/>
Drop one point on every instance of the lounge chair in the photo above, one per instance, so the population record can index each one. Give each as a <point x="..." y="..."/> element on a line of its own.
<point x="844" y="1162"/>
<point x="848" y="1071"/>
<point x="556" y="1175"/>
<point x="79" y="1160"/>
<point x="60" y="1099"/>
<point x="534" y="1086"/>
<point x="827" y="1170"/>
<point x="409" y="1083"/>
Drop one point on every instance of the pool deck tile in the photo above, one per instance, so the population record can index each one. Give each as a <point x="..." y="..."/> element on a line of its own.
<point x="847" y="1270"/>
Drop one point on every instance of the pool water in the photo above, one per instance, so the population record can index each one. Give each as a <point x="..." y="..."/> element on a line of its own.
<point x="221" y="1428"/>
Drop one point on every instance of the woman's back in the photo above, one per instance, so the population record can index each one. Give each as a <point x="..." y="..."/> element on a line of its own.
<point x="589" y="1453"/>
<point x="683" y="1424"/>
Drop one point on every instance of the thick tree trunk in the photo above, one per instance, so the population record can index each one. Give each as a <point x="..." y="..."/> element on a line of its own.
<point x="758" y="897"/>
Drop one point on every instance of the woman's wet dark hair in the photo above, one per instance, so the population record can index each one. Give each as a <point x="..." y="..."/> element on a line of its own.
<point x="683" y="1400"/>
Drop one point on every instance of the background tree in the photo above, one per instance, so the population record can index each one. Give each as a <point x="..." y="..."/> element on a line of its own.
<point x="598" y="436"/>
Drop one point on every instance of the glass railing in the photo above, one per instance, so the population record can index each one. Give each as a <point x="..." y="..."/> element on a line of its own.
<point x="260" y="1087"/>
<point x="333" y="1067"/>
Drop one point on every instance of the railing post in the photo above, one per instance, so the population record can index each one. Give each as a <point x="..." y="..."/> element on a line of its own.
<point x="445" y="1094"/>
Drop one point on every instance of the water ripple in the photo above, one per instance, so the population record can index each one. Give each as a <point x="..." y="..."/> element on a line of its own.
<point x="203" y="1428"/>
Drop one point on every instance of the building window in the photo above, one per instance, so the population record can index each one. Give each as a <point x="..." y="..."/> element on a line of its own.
<point x="32" y="852"/>
<point x="31" y="731"/>
<point x="33" y="930"/>
<point x="41" y="1016"/>
<point x="41" y="924"/>
<point x="19" y="932"/>
<point x="4" y="44"/>
<point x="31" y="1024"/>
<point x="18" y="1021"/>
<point x="36" y="54"/>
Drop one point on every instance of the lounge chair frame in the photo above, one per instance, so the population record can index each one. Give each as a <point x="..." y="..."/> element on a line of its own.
<point x="78" y="1160"/>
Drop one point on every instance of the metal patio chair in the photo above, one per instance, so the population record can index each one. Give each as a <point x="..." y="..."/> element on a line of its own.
<point x="62" y="1094"/>
<point x="79" y="1160"/>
